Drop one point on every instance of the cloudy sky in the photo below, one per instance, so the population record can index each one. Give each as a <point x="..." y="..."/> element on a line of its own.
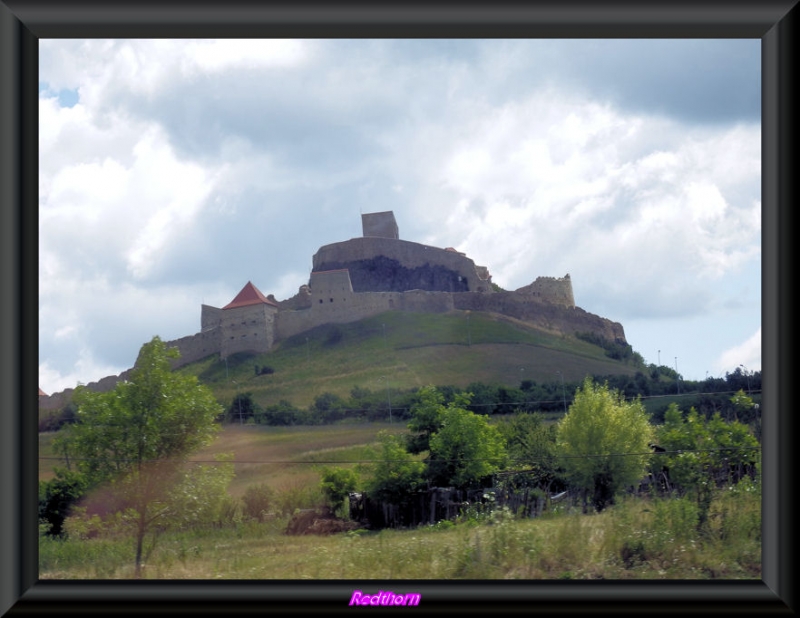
<point x="174" y="171"/>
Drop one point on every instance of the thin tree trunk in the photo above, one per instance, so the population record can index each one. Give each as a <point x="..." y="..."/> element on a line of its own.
<point x="140" y="531"/>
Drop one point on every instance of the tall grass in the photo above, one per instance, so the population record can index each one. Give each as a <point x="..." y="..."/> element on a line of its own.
<point x="636" y="539"/>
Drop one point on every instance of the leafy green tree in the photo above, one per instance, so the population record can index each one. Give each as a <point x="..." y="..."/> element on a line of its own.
<point x="336" y="484"/>
<point x="281" y="413"/>
<point x="702" y="454"/>
<point x="531" y="446"/>
<point x="56" y="498"/>
<point x="396" y="474"/>
<point x="426" y="418"/>
<point x="328" y="408"/>
<point x="137" y="437"/>
<point x="604" y="442"/>
<point x="465" y="451"/>
<point x="242" y="409"/>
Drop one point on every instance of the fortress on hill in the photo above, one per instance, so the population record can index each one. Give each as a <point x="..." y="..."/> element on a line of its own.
<point x="362" y="277"/>
<point x="378" y="272"/>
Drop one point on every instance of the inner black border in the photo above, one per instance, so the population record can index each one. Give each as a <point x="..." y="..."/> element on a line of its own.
<point x="24" y="22"/>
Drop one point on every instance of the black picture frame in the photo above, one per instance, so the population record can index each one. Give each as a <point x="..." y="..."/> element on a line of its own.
<point x="24" y="22"/>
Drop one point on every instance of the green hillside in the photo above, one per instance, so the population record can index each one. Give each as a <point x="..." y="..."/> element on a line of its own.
<point x="404" y="351"/>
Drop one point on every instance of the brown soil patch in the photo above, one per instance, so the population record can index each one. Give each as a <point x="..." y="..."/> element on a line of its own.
<point x="318" y="521"/>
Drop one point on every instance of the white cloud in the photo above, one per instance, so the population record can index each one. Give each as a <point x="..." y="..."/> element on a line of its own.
<point x="86" y="369"/>
<point x="747" y="353"/>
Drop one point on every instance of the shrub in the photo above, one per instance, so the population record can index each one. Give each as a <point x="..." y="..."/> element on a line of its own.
<point x="56" y="499"/>
<point x="257" y="500"/>
<point x="336" y="484"/>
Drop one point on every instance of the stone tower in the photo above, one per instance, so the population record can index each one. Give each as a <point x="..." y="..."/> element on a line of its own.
<point x="247" y="323"/>
<point x="380" y="224"/>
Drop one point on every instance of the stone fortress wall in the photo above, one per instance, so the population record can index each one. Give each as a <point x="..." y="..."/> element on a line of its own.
<point x="557" y="290"/>
<point x="402" y="260"/>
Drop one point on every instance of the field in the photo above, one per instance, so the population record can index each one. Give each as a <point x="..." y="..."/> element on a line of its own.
<point x="639" y="538"/>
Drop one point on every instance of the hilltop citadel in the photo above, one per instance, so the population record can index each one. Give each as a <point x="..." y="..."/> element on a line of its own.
<point x="378" y="272"/>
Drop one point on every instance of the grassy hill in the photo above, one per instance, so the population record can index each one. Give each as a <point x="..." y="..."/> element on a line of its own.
<point x="403" y="351"/>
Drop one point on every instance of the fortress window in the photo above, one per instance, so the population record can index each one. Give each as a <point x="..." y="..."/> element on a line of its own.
<point x="320" y="301"/>
<point x="331" y="300"/>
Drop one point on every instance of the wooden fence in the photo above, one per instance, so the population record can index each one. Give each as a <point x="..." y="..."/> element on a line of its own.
<point x="441" y="503"/>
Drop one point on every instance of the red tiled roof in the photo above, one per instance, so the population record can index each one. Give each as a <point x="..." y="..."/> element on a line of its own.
<point x="250" y="295"/>
<point x="42" y="393"/>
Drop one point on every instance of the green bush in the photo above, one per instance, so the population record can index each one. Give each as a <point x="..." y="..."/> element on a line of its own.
<point x="56" y="499"/>
<point x="336" y="485"/>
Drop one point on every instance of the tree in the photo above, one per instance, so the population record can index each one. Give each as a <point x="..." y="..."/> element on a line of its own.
<point x="136" y="438"/>
<point x="465" y="451"/>
<point x="702" y="454"/>
<point x="531" y="446"/>
<point x="242" y="409"/>
<point x="337" y="484"/>
<point x="328" y="408"/>
<point x="604" y="442"/>
<point x="56" y="498"/>
<point x="426" y="418"/>
<point x="396" y="475"/>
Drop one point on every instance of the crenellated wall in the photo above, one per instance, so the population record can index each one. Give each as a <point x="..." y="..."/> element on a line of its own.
<point x="551" y="289"/>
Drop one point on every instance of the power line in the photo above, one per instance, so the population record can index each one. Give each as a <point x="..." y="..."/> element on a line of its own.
<point x="374" y="461"/>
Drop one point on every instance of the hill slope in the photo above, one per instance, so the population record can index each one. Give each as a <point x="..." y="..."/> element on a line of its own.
<point x="402" y="351"/>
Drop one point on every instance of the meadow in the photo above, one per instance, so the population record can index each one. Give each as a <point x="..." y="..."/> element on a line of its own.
<point x="641" y="537"/>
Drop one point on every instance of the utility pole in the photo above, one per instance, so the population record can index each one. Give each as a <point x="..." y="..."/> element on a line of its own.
<point x="563" y="392"/>
<point x="388" y="398"/>
<point x="239" y="401"/>
<point x="677" y="377"/>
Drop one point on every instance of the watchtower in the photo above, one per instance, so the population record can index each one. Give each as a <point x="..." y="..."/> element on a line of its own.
<point x="380" y="224"/>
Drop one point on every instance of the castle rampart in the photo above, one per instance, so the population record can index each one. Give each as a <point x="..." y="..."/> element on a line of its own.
<point x="389" y="265"/>
<point x="551" y="289"/>
<point x="210" y="317"/>
<point x="197" y="346"/>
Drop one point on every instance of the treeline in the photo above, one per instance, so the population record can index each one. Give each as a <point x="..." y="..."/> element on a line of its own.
<point x="657" y="386"/>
